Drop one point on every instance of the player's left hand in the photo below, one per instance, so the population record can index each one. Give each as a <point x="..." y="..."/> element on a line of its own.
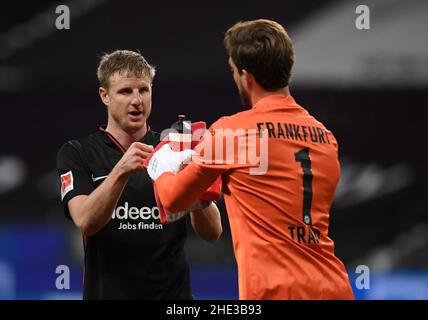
<point x="167" y="160"/>
<point x="172" y="217"/>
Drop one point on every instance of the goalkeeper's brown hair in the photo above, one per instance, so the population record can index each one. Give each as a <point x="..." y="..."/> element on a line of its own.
<point x="263" y="48"/>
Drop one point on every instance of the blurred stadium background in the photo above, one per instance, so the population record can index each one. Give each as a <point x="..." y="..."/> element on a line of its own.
<point x="369" y="86"/>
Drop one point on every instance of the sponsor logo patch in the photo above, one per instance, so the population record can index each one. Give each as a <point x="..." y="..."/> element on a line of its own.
<point x="66" y="183"/>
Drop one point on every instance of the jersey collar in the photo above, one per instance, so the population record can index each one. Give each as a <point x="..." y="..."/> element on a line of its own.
<point x="112" y="141"/>
<point x="275" y="100"/>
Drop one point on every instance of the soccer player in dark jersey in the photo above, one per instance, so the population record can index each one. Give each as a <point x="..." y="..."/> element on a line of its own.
<point x="279" y="215"/>
<point x="108" y="194"/>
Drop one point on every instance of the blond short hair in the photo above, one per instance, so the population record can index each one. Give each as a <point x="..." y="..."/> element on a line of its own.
<point x="125" y="62"/>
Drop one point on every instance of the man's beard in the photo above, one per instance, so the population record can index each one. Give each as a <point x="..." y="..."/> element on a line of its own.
<point x="245" y="98"/>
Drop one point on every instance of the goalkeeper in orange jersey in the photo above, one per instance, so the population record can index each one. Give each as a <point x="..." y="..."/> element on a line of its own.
<point x="279" y="215"/>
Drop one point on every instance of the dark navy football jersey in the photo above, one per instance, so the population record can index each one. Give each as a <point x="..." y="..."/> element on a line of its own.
<point x="134" y="256"/>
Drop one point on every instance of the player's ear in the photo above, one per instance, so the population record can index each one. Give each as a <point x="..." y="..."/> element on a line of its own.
<point x="247" y="79"/>
<point x="104" y="96"/>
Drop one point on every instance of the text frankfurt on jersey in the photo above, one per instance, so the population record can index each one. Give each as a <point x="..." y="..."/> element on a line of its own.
<point x="294" y="132"/>
<point x="249" y="147"/>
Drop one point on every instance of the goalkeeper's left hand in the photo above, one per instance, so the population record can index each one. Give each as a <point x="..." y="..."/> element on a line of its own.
<point x="166" y="160"/>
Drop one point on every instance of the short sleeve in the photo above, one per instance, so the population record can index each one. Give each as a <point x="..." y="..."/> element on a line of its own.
<point x="73" y="172"/>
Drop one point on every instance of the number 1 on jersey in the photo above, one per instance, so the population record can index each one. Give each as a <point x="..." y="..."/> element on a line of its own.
<point x="302" y="156"/>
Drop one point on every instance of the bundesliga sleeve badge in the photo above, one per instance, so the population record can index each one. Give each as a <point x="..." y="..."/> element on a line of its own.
<point x="66" y="183"/>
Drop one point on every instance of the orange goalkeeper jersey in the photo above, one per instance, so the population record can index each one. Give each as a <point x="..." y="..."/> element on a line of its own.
<point x="279" y="216"/>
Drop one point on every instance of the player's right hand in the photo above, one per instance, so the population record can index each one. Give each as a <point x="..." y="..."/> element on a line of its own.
<point x="133" y="159"/>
